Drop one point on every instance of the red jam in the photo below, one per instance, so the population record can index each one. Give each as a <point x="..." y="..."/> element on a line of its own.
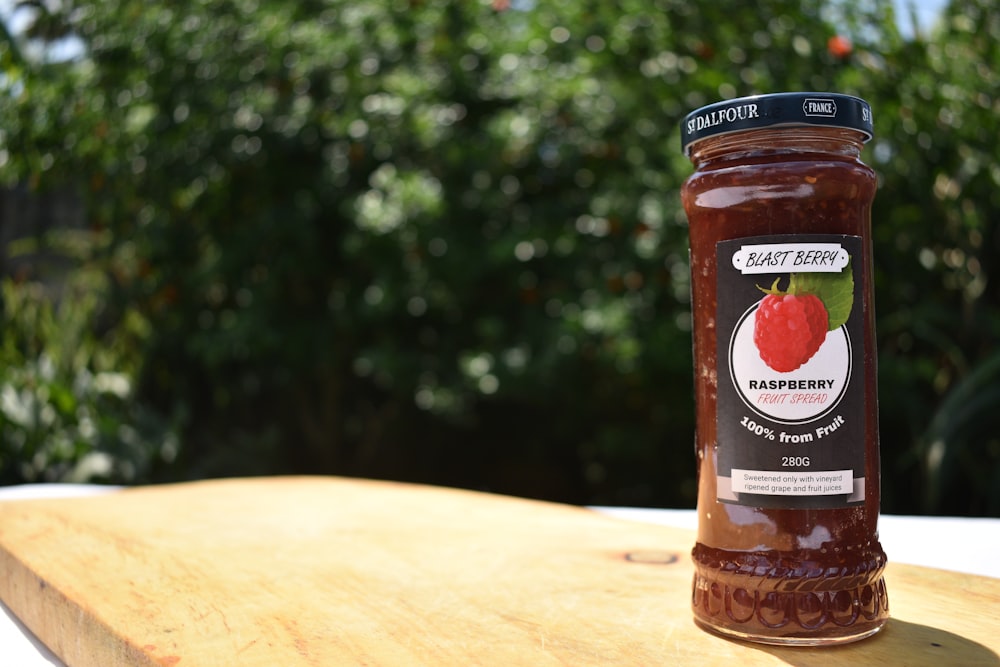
<point x="788" y="454"/>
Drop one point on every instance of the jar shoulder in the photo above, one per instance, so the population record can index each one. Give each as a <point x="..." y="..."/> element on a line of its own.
<point x="812" y="178"/>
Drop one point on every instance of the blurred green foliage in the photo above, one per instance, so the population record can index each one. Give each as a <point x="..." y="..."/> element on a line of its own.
<point x="442" y="241"/>
<point x="66" y="395"/>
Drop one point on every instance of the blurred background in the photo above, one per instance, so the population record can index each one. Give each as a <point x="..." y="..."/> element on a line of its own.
<point x="442" y="242"/>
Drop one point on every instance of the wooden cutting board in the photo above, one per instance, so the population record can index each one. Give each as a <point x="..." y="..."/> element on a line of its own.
<point x="290" y="571"/>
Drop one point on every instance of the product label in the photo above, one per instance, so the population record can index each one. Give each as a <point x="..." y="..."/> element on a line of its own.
<point x="791" y="396"/>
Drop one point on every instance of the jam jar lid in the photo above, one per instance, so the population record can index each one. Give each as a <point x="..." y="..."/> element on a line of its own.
<point x="759" y="111"/>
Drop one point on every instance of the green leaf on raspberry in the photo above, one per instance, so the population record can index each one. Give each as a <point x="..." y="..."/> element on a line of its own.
<point x="835" y="290"/>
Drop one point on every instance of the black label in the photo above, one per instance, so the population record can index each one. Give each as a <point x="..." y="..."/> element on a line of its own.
<point x="791" y="398"/>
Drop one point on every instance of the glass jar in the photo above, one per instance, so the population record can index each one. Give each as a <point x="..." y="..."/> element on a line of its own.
<point x="779" y="207"/>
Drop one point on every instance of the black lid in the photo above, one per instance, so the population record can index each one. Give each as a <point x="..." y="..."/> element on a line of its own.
<point x="749" y="113"/>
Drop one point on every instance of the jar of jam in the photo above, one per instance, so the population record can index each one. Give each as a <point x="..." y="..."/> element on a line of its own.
<point x="779" y="207"/>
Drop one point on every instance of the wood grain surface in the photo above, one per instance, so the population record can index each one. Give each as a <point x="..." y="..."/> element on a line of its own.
<point x="328" y="571"/>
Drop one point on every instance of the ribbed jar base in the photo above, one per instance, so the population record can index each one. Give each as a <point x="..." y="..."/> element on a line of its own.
<point x="775" y="598"/>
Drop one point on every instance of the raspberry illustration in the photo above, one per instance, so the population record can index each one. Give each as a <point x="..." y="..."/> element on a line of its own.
<point x="789" y="329"/>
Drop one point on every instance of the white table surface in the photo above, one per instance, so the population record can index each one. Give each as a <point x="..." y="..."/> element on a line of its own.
<point x="948" y="543"/>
